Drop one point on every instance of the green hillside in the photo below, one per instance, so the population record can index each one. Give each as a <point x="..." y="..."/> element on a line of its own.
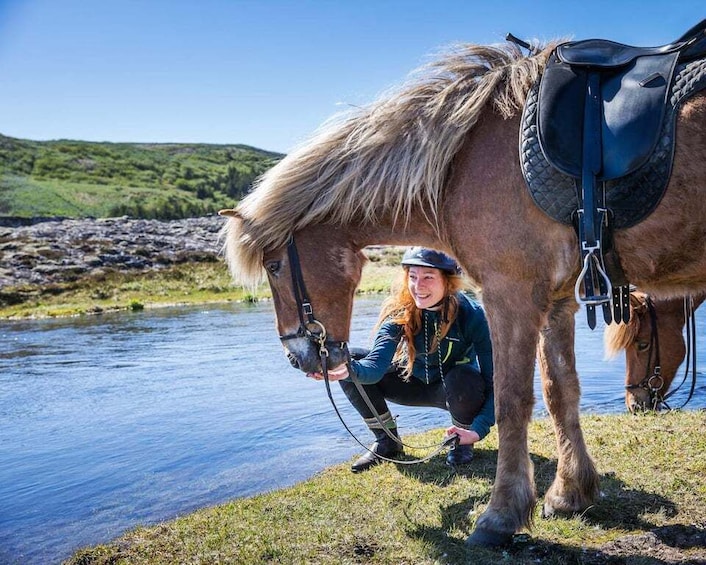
<point x="144" y="180"/>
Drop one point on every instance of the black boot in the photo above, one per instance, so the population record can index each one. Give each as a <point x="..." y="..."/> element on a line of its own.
<point x="460" y="455"/>
<point x="384" y="446"/>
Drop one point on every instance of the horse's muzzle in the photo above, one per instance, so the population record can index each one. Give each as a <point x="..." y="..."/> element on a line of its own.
<point x="638" y="401"/>
<point x="306" y="355"/>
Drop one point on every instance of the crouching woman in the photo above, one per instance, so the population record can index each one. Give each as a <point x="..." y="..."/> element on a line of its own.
<point x="432" y="348"/>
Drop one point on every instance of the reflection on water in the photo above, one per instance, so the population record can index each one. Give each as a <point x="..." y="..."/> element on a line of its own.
<point x="132" y="418"/>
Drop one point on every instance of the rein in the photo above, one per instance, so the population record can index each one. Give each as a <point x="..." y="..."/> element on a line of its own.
<point x="315" y="331"/>
<point x="653" y="382"/>
<point x="690" y="323"/>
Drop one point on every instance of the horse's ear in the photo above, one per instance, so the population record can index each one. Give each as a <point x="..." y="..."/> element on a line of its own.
<point x="638" y="302"/>
<point x="230" y="212"/>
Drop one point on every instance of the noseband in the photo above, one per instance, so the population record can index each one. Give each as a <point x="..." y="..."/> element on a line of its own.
<point x="315" y="331"/>
<point x="653" y="382"/>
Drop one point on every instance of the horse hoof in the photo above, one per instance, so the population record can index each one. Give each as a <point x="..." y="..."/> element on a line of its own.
<point x="550" y="511"/>
<point x="487" y="538"/>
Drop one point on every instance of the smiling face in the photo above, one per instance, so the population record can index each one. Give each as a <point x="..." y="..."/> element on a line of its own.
<point x="427" y="286"/>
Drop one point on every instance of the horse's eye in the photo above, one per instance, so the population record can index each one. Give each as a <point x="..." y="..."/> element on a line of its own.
<point x="643" y="346"/>
<point x="273" y="267"/>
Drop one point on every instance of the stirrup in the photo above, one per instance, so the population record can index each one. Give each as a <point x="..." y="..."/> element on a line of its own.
<point x="591" y="261"/>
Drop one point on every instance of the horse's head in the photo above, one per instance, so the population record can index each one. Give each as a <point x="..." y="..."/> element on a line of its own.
<point x="654" y="348"/>
<point x="313" y="280"/>
<point x="313" y="276"/>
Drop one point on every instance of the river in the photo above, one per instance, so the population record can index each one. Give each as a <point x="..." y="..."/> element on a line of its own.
<point x="111" y="421"/>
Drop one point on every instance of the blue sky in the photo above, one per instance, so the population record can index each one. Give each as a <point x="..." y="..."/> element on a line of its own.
<point x="264" y="73"/>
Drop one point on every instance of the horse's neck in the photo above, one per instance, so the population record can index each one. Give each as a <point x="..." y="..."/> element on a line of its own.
<point x="417" y="231"/>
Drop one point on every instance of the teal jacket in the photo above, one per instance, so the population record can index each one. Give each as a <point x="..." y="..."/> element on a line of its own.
<point x="467" y="342"/>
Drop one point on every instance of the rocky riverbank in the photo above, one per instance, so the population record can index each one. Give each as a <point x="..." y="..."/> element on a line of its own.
<point x="49" y="251"/>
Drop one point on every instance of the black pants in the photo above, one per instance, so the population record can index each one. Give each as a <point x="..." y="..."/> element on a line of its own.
<point x="462" y="393"/>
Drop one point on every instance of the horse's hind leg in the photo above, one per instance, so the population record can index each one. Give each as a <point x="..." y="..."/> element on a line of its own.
<point x="575" y="485"/>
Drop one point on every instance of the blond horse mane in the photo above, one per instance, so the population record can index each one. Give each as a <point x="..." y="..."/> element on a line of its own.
<point x="390" y="157"/>
<point x="619" y="336"/>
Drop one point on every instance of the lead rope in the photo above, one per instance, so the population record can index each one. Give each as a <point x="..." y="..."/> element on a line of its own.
<point x="437" y="334"/>
<point x="427" y="352"/>
<point x="450" y="442"/>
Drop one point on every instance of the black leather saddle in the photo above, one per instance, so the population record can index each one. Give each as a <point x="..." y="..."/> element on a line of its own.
<point x="626" y="87"/>
<point x="597" y="142"/>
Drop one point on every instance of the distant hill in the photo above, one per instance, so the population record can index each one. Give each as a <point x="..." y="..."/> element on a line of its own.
<point x="77" y="179"/>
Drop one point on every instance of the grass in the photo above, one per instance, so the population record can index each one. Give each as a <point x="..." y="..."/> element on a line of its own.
<point x="651" y="509"/>
<point x="188" y="283"/>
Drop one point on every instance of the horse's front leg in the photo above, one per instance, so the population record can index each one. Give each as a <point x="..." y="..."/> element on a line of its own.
<point x="575" y="485"/>
<point x="514" y="324"/>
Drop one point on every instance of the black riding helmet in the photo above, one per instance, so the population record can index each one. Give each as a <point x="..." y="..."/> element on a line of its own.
<point x="424" y="257"/>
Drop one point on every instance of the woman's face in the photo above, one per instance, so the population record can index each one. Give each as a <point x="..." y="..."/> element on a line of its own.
<point x="427" y="286"/>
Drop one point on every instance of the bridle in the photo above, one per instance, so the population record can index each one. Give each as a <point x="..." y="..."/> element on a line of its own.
<point x="653" y="382"/>
<point x="315" y="331"/>
<point x="309" y="326"/>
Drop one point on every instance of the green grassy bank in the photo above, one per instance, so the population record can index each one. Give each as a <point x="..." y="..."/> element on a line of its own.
<point x="187" y="283"/>
<point x="651" y="510"/>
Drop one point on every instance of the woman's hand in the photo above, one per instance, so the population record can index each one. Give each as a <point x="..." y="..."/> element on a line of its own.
<point x="465" y="437"/>
<point x="337" y="374"/>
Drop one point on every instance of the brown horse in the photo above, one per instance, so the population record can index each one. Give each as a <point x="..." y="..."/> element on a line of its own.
<point x="654" y="346"/>
<point x="436" y="164"/>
